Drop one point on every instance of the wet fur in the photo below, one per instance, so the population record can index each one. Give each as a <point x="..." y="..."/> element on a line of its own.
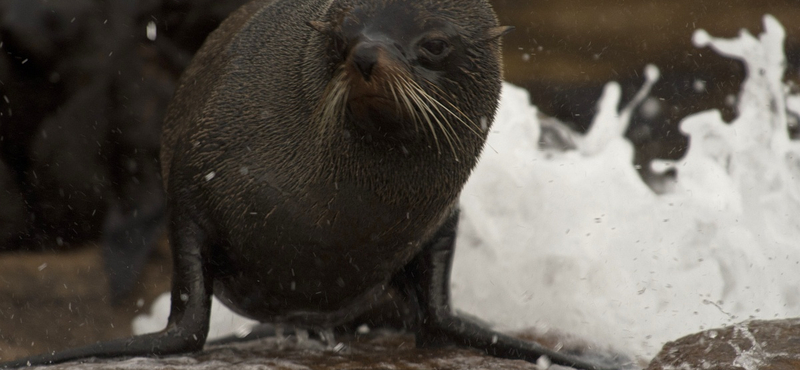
<point x="287" y="169"/>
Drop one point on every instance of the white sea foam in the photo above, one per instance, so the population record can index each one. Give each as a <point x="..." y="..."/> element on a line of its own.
<point x="577" y="242"/>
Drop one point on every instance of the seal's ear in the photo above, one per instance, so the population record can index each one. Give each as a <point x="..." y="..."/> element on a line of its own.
<point x="321" y="27"/>
<point x="496" y="32"/>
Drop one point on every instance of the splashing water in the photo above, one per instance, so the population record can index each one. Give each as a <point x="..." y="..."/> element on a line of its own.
<point x="577" y="242"/>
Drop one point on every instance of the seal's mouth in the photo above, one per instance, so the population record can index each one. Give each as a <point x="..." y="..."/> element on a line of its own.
<point x="380" y="101"/>
<point x="377" y="102"/>
<point x="375" y="98"/>
<point x="379" y="115"/>
<point x="355" y="97"/>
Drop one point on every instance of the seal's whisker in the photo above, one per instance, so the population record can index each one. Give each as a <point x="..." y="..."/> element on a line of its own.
<point x="333" y="107"/>
<point x="461" y="117"/>
<point x="392" y="88"/>
<point x="469" y="123"/>
<point x="342" y="104"/>
<point x="438" y="106"/>
<point x="446" y="127"/>
<point x="449" y="133"/>
<point x="422" y="98"/>
<point x="408" y="105"/>
<point x="342" y="96"/>
<point x="423" y="109"/>
<point x="409" y="98"/>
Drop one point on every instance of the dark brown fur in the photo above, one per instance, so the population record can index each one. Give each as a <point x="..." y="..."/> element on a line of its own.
<point x="309" y="216"/>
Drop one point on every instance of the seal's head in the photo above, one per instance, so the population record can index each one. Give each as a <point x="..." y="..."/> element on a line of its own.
<point x="414" y="72"/>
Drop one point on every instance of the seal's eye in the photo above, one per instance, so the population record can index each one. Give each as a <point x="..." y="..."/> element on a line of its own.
<point x="435" y="47"/>
<point x="434" y="50"/>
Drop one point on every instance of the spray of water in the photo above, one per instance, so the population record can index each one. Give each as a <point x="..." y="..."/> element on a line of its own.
<point x="576" y="241"/>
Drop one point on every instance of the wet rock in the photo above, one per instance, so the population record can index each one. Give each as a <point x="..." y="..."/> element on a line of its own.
<point x="750" y="345"/>
<point x="377" y="350"/>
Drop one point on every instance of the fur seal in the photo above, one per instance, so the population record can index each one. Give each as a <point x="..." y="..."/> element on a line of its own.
<point x="313" y="156"/>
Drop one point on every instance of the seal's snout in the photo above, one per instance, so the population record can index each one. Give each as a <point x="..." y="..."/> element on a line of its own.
<point x="365" y="57"/>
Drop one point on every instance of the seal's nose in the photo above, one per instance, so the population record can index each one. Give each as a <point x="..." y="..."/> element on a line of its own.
<point x="365" y="56"/>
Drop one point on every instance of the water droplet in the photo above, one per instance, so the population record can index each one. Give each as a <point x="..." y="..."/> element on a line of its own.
<point x="151" y="31"/>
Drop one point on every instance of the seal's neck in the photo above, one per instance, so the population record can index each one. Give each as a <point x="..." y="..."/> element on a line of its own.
<point x="413" y="172"/>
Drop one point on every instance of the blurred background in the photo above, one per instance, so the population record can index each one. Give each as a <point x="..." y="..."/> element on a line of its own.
<point x="85" y="84"/>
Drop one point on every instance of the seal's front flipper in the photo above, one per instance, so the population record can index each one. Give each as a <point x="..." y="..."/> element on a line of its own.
<point x="426" y="283"/>
<point x="189" y="315"/>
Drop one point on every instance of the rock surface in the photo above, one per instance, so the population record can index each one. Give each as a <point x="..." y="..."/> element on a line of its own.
<point x="52" y="301"/>
<point x="750" y="345"/>
<point x="374" y="351"/>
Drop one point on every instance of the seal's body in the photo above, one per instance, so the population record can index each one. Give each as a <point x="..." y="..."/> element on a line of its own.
<point x="307" y="215"/>
<point x="313" y="156"/>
